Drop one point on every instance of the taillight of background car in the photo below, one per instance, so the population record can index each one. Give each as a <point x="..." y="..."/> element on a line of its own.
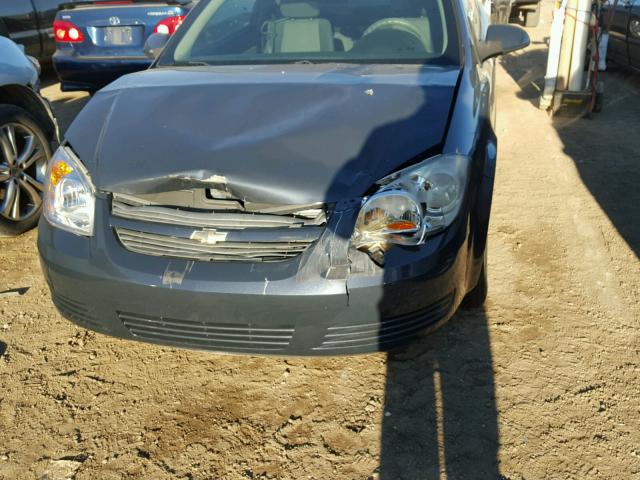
<point x="65" y="31"/>
<point x="168" y="25"/>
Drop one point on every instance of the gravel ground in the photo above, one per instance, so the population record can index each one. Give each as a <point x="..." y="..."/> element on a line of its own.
<point x="541" y="384"/>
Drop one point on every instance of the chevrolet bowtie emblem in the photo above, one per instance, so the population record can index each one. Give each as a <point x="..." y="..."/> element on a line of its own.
<point x="209" y="236"/>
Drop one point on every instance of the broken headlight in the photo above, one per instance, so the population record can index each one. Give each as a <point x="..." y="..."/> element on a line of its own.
<point x="69" y="201"/>
<point x="411" y="205"/>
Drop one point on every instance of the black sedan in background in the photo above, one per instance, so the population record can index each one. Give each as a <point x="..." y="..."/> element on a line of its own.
<point x="289" y="177"/>
<point x="30" y="23"/>
<point x="624" y="34"/>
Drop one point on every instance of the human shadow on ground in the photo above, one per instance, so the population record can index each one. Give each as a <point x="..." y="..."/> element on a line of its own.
<point x="440" y="409"/>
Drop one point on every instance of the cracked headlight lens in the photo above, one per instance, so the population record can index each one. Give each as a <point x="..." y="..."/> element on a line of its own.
<point x="69" y="200"/>
<point x="412" y="204"/>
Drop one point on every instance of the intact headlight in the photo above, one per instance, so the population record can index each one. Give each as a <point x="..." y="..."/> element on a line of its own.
<point x="412" y="204"/>
<point x="69" y="200"/>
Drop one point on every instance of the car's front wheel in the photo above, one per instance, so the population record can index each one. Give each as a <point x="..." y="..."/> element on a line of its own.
<point x="24" y="151"/>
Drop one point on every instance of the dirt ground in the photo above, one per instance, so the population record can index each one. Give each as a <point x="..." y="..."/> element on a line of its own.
<point x="544" y="383"/>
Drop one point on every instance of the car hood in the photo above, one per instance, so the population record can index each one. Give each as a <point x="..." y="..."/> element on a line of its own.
<point x="280" y="134"/>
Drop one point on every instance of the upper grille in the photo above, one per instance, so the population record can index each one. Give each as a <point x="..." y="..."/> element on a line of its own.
<point x="174" y="246"/>
<point x="225" y="233"/>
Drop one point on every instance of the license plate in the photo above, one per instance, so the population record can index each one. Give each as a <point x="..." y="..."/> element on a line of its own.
<point x="118" y="35"/>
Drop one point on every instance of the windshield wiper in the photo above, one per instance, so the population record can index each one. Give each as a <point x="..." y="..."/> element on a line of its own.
<point x="189" y="64"/>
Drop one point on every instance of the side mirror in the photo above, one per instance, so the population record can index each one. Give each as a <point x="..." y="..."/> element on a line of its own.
<point x="154" y="44"/>
<point x="502" y="39"/>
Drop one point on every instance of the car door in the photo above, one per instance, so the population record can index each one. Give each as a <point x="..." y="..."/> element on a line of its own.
<point x="618" y="50"/>
<point x="20" y="21"/>
<point x="634" y="35"/>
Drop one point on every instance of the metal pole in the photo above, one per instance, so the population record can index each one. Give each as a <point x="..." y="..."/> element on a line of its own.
<point x="553" y="59"/>
<point x="566" y="49"/>
<point x="581" y="35"/>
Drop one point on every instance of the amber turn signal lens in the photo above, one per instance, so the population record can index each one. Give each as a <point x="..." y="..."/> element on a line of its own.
<point x="402" y="225"/>
<point x="59" y="170"/>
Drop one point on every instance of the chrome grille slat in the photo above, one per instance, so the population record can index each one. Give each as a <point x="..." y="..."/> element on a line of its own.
<point x="196" y="247"/>
<point x="201" y="337"/>
<point x="226" y="221"/>
<point x="208" y="326"/>
<point x="164" y="246"/>
<point x="195" y="244"/>
<point x="161" y="251"/>
<point x="207" y="333"/>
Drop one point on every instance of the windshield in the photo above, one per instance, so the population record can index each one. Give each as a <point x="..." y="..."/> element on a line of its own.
<point x="221" y="32"/>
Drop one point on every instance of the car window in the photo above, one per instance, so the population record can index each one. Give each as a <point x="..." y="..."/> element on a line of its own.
<point x="275" y="31"/>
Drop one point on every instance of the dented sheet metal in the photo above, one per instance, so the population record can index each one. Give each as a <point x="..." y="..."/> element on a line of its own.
<point x="279" y="134"/>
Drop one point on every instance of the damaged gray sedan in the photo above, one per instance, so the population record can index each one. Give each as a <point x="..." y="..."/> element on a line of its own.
<point x="289" y="177"/>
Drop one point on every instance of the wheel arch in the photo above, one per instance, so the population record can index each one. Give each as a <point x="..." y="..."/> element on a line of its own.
<point x="25" y="98"/>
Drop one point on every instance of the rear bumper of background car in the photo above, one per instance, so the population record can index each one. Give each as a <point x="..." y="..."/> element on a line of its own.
<point x="93" y="73"/>
<point x="255" y="309"/>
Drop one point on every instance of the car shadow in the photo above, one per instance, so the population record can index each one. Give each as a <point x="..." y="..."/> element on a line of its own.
<point x="3" y="348"/>
<point x="604" y="146"/>
<point x="527" y="68"/>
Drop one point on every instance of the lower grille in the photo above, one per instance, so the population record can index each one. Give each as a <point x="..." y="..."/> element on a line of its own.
<point x="386" y="332"/>
<point x="201" y="335"/>
<point x="76" y="311"/>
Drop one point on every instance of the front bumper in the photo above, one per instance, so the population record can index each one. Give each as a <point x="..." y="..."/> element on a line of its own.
<point x="283" y="308"/>
<point x="93" y="73"/>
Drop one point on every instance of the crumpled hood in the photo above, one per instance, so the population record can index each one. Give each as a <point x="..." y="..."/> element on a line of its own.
<point x="280" y="134"/>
